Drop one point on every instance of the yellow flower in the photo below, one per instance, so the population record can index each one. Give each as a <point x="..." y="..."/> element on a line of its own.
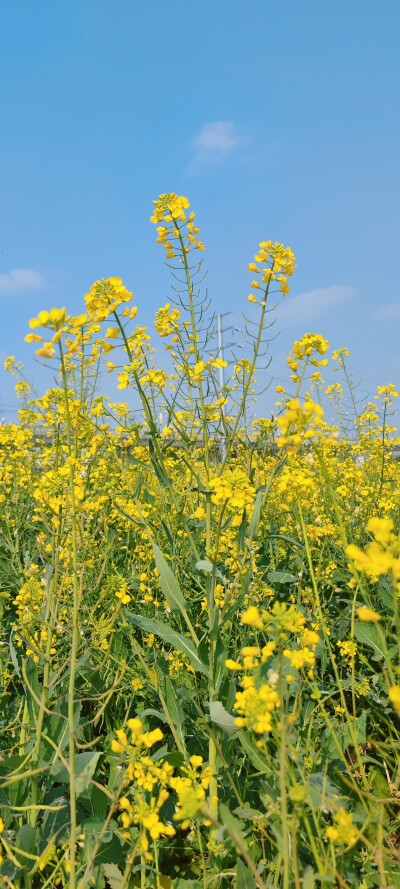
<point x="394" y="696"/>
<point x="368" y="615"/>
<point x="343" y="831"/>
<point x="381" y="529"/>
<point x="252" y="618"/>
<point x="33" y="338"/>
<point x="46" y="352"/>
<point x="251" y="298"/>
<point x="232" y="665"/>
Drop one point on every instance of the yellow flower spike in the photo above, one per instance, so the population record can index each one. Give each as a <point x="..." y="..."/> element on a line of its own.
<point x="368" y="615"/>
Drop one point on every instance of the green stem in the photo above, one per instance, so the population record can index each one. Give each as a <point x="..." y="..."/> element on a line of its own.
<point x="282" y="777"/>
<point x="75" y="636"/>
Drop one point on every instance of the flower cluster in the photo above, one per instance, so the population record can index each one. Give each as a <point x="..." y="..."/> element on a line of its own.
<point x="343" y="830"/>
<point x="381" y="556"/>
<point x="167" y="320"/>
<point x="105" y="297"/>
<point x="272" y="262"/>
<point x="170" y="209"/>
<point x="232" y="489"/>
<point x="54" y="320"/>
<point x="190" y="788"/>
<point x="255" y="706"/>
<point x="299" y="423"/>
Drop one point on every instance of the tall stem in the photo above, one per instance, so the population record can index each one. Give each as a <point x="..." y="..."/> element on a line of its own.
<point x="75" y="634"/>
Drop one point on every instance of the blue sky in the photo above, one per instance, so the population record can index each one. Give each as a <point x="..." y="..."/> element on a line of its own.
<point x="277" y="120"/>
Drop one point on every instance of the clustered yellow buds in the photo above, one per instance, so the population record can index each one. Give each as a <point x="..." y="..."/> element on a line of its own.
<point x="303" y="350"/>
<point x="105" y="297"/>
<point x="170" y="209"/>
<point x="167" y="320"/>
<point x="272" y="262"/>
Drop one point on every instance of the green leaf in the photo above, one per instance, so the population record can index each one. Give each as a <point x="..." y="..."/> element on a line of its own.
<point x="175" y="710"/>
<point x="322" y="793"/>
<point x="13" y="655"/>
<point x="308" y="878"/>
<point x="244" y="877"/>
<point x="180" y="643"/>
<point x="368" y="634"/>
<point x="219" y="664"/>
<point x="85" y="766"/>
<point x="183" y="883"/>
<point x="114" y="876"/>
<point x="255" y="518"/>
<point x="221" y="717"/>
<point x="250" y="814"/>
<point x="254" y="754"/>
<point x="25" y="838"/>
<point x="231" y="824"/>
<point x="280" y="577"/>
<point x="169" y="583"/>
<point x="205" y="565"/>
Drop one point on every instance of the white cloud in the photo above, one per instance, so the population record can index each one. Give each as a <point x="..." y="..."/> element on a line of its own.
<point x="20" y="281"/>
<point x="214" y="143"/>
<point x="388" y="313"/>
<point x="314" y="303"/>
<point x="219" y="136"/>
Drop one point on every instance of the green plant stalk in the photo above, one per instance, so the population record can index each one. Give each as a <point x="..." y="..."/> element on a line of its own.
<point x="75" y="636"/>
<point x="151" y="423"/>
<point x="203" y="861"/>
<point x="240" y="846"/>
<point x="329" y="647"/>
<point x="160" y="695"/>
<point x="212" y="750"/>
<point x="83" y="881"/>
<point x="282" y="776"/>
<point x="247" y="385"/>
<point x="50" y="612"/>
<point x="382" y="474"/>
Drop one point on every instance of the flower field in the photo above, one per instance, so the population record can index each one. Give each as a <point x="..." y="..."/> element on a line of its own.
<point x="200" y="640"/>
